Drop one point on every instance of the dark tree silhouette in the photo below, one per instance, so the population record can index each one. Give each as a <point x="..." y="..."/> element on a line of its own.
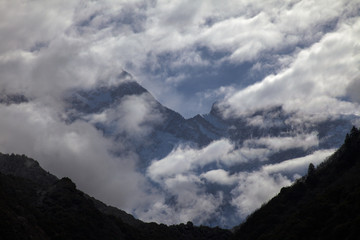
<point x="311" y="169"/>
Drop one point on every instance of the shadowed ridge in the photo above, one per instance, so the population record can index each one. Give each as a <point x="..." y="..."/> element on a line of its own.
<point x="55" y="209"/>
<point x="24" y="167"/>
<point x="324" y="204"/>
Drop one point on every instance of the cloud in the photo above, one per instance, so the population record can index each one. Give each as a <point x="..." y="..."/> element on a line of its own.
<point x="184" y="173"/>
<point x="135" y="115"/>
<point x="41" y="55"/>
<point x="156" y="41"/>
<point x="187" y="201"/>
<point x="75" y="150"/>
<point x="219" y="176"/>
<point x="315" y="82"/>
<point x="259" y="186"/>
<point x="83" y="42"/>
<point x="184" y="159"/>
<point x="298" y="165"/>
<point x="260" y="34"/>
<point x="23" y="25"/>
<point x="191" y="200"/>
<point x="262" y="122"/>
<point x="303" y="55"/>
<point x="254" y="189"/>
<point x="304" y="141"/>
<point x="354" y="89"/>
<point x="223" y="153"/>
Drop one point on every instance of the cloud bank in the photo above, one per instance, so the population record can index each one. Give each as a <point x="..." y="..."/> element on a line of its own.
<point x="135" y="115"/>
<point x="78" y="151"/>
<point x="316" y="82"/>
<point x="187" y="172"/>
<point x="185" y="51"/>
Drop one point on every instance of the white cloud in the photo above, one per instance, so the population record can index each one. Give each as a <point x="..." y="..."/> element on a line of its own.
<point x="182" y="172"/>
<point x="185" y="159"/>
<point x="259" y="121"/>
<point x="254" y="189"/>
<point x="41" y="53"/>
<point x="81" y="42"/>
<point x="77" y="150"/>
<point x="304" y="141"/>
<point x="314" y="83"/>
<point x="187" y="206"/>
<point x="244" y="37"/>
<point x="25" y="24"/>
<point x="48" y="47"/>
<point x="137" y="34"/>
<point x="298" y="165"/>
<point x="219" y="176"/>
<point x="187" y="201"/>
<point x="257" y="187"/>
<point x="191" y="199"/>
<point x="135" y="115"/>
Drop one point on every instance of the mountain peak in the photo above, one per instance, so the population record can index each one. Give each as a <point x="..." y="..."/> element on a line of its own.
<point x="98" y="98"/>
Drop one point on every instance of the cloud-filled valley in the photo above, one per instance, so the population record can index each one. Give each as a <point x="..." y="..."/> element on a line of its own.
<point x="276" y="85"/>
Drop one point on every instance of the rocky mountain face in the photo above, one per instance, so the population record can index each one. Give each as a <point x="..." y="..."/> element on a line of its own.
<point x="168" y="131"/>
<point x="36" y="205"/>
<point x="282" y="135"/>
<point x="324" y="204"/>
<point x="171" y="129"/>
<point x="263" y="139"/>
<point x="127" y="113"/>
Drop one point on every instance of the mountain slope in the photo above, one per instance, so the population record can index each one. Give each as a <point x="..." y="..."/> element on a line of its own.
<point x="170" y="129"/>
<point x="167" y="130"/>
<point x="325" y="204"/>
<point x="127" y="113"/>
<point x="36" y="205"/>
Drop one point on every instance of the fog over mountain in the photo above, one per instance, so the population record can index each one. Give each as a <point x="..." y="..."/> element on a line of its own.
<point x="179" y="111"/>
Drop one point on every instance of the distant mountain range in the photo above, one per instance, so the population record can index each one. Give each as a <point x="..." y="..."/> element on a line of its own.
<point x="201" y="130"/>
<point x="250" y="133"/>
<point x="128" y="113"/>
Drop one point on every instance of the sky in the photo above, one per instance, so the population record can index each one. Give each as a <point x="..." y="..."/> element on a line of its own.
<point x="243" y="55"/>
<point x="188" y="54"/>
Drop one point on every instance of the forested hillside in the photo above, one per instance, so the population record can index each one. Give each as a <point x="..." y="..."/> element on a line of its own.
<point x="325" y="204"/>
<point x="36" y="205"/>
